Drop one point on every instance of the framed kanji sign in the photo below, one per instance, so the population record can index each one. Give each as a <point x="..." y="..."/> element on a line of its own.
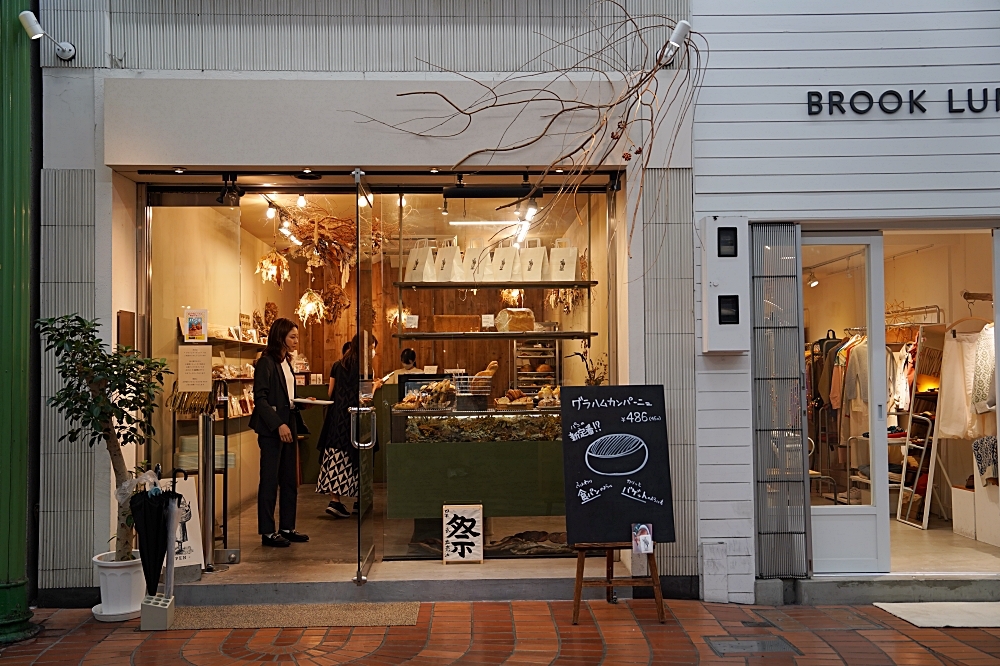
<point x="462" y="536"/>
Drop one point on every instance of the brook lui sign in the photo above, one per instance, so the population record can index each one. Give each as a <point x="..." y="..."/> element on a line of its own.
<point x="907" y="101"/>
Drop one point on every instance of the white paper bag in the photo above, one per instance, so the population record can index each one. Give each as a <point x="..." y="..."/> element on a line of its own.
<point x="504" y="259"/>
<point x="420" y="263"/>
<point x="448" y="264"/>
<point x="478" y="264"/>
<point x="534" y="263"/>
<point x="562" y="263"/>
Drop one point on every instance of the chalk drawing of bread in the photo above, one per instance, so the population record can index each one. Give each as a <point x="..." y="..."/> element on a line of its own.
<point x="619" y="454"/>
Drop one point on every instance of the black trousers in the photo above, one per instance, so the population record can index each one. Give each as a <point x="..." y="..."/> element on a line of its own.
<point x="278" y="463"/>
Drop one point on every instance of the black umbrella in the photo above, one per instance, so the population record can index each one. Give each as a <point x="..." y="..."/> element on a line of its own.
<point x="149" y="514"/>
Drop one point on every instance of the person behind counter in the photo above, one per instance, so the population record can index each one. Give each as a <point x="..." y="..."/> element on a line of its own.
<point x="338" y="474"/>
<point x="408" y="359"/>
<point x="274" y="419"/>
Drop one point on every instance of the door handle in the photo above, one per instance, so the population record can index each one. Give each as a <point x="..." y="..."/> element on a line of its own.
<point x="355" y="415"/>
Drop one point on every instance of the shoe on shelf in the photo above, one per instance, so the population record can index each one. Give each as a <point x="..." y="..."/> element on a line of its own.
<point x="274" y="540"/>
<point x="294" y="536"/>
<point x="337" y="510"/>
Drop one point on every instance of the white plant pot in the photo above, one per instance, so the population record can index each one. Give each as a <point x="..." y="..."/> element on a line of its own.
<point x="122" y="588"/>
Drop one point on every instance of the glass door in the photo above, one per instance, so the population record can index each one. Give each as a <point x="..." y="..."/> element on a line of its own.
<point x="363" y="425"/>
<point x="844" y="323"/>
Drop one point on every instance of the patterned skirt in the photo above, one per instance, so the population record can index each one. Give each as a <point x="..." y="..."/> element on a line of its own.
<point x="337" y="474"/>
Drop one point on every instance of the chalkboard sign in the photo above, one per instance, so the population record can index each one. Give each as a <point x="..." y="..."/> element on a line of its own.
<point x="616" y="466"/>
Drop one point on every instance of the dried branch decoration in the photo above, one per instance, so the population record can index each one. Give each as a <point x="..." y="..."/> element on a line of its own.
<point x="311" y="307"/>
<point x="592" y="131"/>
<point x="273" y="267"/>
<point x="336" y="301"/>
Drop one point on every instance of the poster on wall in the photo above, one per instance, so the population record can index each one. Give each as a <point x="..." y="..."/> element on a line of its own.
<point x="194" y="323"/>
<point x="187" y="538"/>
<point x="617" y="471"/>
<point x="194" y="368"/>
<point x="463" y="533"/>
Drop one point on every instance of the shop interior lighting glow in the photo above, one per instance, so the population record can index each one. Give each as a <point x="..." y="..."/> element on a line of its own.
<point x="444" y="210"/>
<point x="301" y="201"/>
<point x="531" y="210"/>
<point x="812" y="281"/>
<point x="179" y="169"/>
<point x="362" y="201"/>
<point x="294" y="240"/>
<point x="270" y="212"/>
<point x="285" y="231"/>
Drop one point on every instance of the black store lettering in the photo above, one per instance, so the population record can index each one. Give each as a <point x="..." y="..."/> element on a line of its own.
<point x="951" y="102"/>
<point x="915" y="102"/>
<point x="815" y="100"/>
<point x="836" y="99"/>
<point x="863" y="94"/>
<point x="972" y="107"/>
<point x="886" y="108"/>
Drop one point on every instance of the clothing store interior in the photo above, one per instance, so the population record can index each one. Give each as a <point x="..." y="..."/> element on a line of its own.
<point x="290" y="251"/>
<point x="941" y="414"/>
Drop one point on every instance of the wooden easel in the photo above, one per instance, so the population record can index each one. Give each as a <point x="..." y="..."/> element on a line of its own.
<point x="609" y="582"/>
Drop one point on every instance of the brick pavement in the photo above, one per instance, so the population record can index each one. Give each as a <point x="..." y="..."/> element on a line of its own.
<point x="524" y="632"/>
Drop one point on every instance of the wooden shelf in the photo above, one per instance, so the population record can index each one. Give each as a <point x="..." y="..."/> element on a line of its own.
<point x="550" y="284"/>
<point x="490" y="335"/>
<point x="235" y="343"/>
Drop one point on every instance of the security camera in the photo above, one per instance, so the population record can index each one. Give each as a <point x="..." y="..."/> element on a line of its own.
<point x="64" y="50"/>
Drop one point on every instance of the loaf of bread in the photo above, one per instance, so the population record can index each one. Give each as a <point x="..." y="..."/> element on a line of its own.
<point x="513" y="320"/>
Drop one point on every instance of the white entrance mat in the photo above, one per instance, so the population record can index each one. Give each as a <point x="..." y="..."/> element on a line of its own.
<point x="947" y="613"/>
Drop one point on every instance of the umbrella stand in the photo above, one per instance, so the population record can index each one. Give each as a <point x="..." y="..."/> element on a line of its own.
<point x="158" y="609"/>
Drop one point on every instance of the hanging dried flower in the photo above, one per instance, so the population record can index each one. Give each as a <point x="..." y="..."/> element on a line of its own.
<point x="273" y="267"/>
<point x="270" y="315"/>
<point x="511" y="296"/>
<point x="564" y="299"/>
<point x="311" y="306"/>
<point x="336" y="301"/>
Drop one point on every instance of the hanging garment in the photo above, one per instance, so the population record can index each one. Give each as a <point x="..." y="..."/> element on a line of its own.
<point x="983" y="372"/>
<point x="902" y="388"/>
<point x="840" y="358"/>
<point x="856" y="376"/>
<point x="826" y="377"/>
<point x="953" y="412"/>
<point x="984" y="450"/>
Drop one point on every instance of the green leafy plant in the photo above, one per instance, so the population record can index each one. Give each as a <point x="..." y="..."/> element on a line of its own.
<point x="107" y="395"/>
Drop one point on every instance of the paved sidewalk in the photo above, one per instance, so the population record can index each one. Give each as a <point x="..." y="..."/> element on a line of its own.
<point x="526" y="632"/>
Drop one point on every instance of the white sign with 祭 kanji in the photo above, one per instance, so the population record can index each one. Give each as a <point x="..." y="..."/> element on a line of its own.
<point x="463" y="533"/>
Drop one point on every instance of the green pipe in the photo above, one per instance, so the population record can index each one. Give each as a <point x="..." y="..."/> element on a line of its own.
<point x="15" y="318"/>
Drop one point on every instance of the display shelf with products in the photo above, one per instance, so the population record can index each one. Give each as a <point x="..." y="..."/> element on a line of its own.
<point x="518" y="284"/>
<point x="495" y="335"/>
<point x="537" y="364"/>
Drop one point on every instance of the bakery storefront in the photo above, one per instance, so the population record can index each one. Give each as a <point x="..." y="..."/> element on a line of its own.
<point x="493" y="307"/>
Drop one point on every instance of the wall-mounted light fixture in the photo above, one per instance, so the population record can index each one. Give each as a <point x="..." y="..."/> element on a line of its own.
<point x="64" y="50"/>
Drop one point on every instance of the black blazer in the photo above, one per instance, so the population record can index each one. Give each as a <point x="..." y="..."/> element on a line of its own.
<point x="270" y="395"/>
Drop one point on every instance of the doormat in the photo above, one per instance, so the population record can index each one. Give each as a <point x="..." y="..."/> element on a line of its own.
<point x="262" y="616"/>
<point x="947" y="613"/>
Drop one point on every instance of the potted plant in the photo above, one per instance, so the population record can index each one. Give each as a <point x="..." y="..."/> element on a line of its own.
<point x="107" y="396"/>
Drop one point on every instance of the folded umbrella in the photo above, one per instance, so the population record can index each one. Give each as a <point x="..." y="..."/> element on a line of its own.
<point x="149" y="515"/>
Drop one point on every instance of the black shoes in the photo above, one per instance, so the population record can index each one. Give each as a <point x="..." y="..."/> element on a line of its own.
<point x="292" y="535"/>
<point x="275" y="540"/>
<point x="337" y="510"/>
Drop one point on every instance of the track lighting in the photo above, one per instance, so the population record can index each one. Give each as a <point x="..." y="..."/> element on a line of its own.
<point x="434" y="169"/>
<point x="285" y="231"/>
<point x="270" y="212"/>
<point x="531" y="210"/>
<point x="362" y="201"/>
<point x="64" y="50"/>
<point x="307" y="171"/>
<point x="444" y="210"/>
<point x="301" y="201"/>
<point x="179" y="169"/>
<point x="231" y="192"/>
<point x="811" y="280"/>
<point x="295" y="240"/>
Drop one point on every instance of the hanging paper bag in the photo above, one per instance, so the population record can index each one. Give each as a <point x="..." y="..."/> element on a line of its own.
<point x="448" y="264"/>
<point x="420" y="263"/>
<point x="504" y="259"/>
<point x="478" y="264"/>
<point x="534" y="261"/>
<point x="562" y="261"/>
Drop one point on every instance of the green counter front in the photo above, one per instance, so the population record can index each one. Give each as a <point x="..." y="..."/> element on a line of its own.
<point x="509" y="478"/>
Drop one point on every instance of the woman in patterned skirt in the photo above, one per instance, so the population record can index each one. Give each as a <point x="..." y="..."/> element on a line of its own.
<point x="338" y="475"/>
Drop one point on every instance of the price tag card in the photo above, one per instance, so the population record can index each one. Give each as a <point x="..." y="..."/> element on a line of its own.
<point x="412" y="321"/>
<point x="488" y="321"/>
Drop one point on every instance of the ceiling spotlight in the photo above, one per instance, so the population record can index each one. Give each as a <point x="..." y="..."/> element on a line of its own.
<point x="307" y="171"/>
<point x="523" y="233"/>
<point x="230" y="193"/>
<point x="285" y="224"/>
<point x="558" y="170"/>
<point x="811" y="280"/>
<point x="270" y="212"/>
<point x="295" y="240"/>
<point x="301" y="201"/>
<point x="532" y="209"/>
<point x="434" y="169"/>
<point x="285" y="231"/>
<point x="362" y="201"/>
<point x="179" y="169"/>
<point x="64" y="50"/>
<point x="402" y="201"/>
<point x="680" y="34"/>
<point x="444" y="210"/>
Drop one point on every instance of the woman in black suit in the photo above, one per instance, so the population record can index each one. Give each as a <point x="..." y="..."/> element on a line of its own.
<point x="274" y="420"/>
